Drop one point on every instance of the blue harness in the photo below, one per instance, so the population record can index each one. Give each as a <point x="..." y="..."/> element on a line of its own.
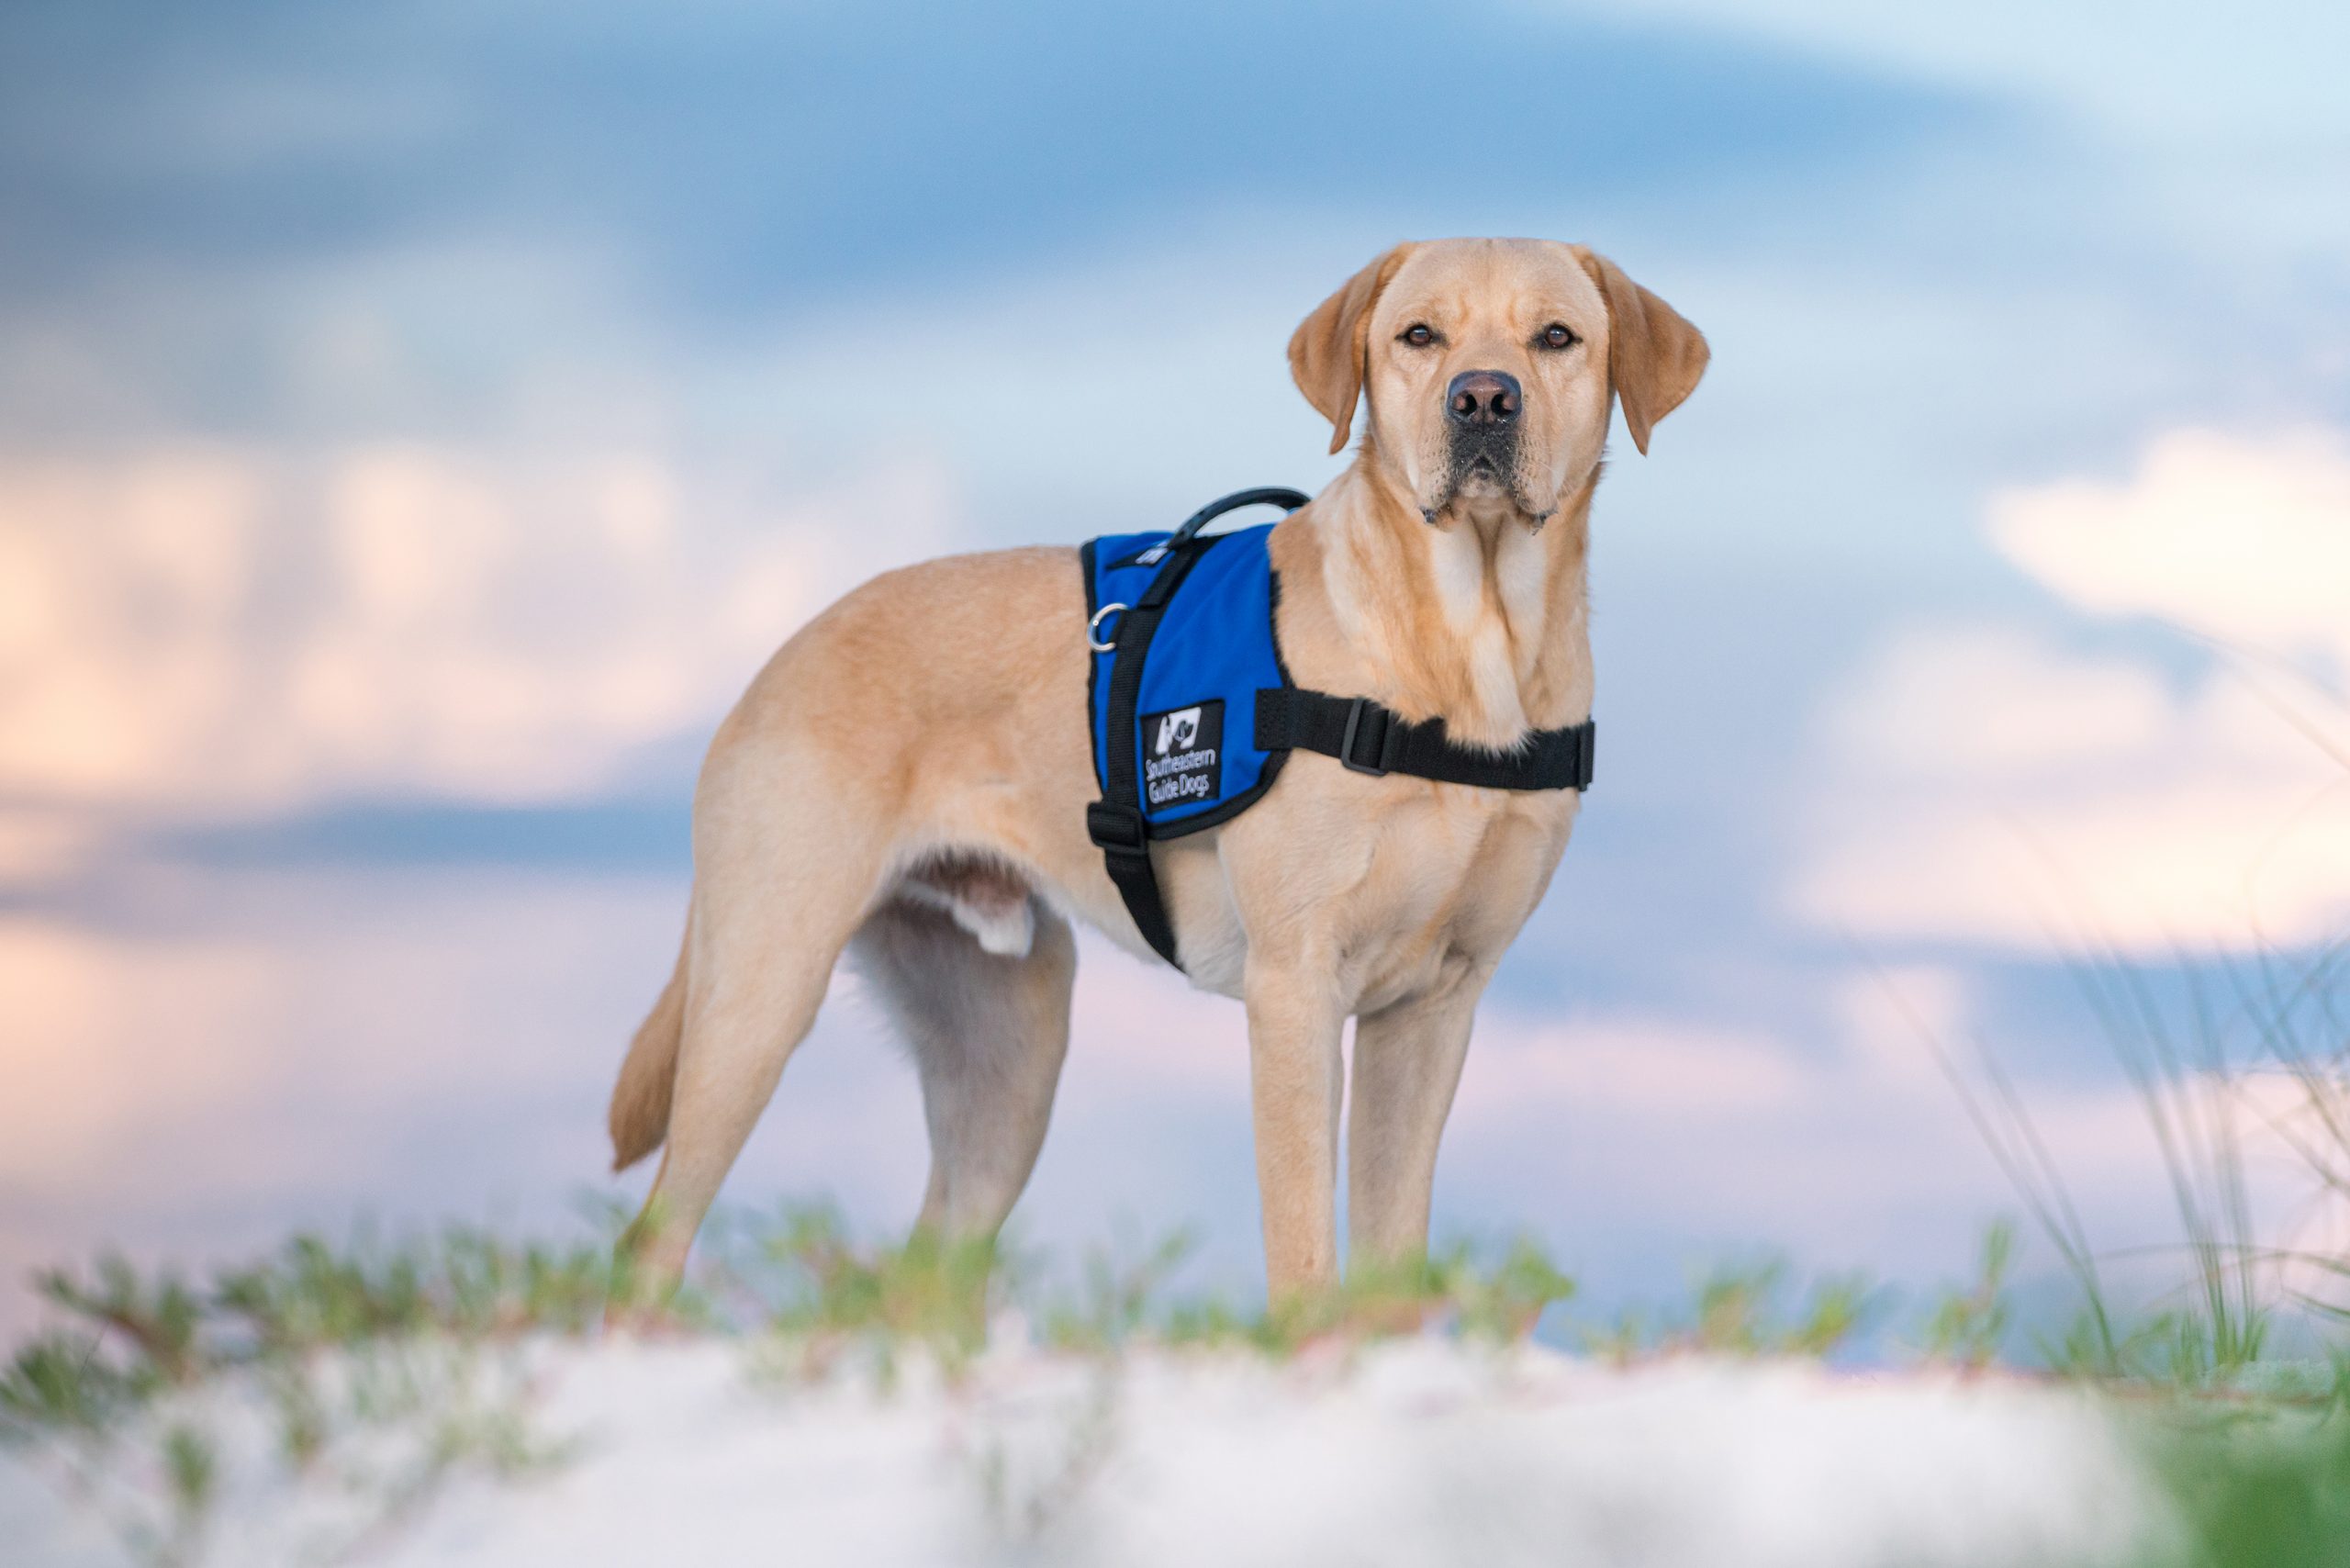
<point x="1193" y="731"/>
<point x="1192" y="712"/>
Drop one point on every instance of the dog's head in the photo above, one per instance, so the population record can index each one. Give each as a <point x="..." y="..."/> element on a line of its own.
<point x="1488" y="364"/>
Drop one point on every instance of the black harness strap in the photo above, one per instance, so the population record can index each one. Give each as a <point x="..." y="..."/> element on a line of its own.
<point x="1116" y="822"/>
<point x="1370" y="738"/>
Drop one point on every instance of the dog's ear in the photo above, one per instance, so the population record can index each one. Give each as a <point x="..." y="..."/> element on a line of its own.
<point x="1328" y="353"/>
<point x="1654" y="358"/>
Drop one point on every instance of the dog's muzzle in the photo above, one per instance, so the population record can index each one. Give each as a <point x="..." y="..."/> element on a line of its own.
<point x="1480" y="409"/>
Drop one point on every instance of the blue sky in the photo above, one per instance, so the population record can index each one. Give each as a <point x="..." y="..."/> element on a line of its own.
<point x="416" y="425"/>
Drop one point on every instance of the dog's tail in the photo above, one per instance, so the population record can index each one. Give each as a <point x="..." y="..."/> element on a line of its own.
<point x="640" y="1113"/>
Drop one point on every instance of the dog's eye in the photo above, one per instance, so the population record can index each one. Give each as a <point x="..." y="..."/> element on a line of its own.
<point x="1419" y="334"/>
<point x="1557" y="335"/>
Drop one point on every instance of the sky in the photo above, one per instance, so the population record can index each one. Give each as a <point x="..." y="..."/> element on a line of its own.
<point x="417" y="423"/>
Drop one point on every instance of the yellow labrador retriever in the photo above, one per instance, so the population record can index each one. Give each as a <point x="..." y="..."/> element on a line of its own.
<point x="909" y="778"/>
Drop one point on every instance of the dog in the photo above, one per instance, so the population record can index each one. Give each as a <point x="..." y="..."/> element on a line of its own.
<point x="906" y="782"/>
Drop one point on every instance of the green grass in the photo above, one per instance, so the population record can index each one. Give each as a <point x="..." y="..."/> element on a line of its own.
<point x="799" y="1279"/>
<point x="2257" y="1488"/>
<point x="1746" y="1310"/>
<point x="2196" y="1060"/>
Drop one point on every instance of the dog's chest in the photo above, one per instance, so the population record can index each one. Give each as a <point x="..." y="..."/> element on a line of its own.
<point x="1384" y="881"/>
<point x="1450" y="874"/>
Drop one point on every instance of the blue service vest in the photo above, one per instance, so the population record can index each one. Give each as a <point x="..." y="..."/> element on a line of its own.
<point x="1193" y="713"/>
<point x="1194" y="732"/>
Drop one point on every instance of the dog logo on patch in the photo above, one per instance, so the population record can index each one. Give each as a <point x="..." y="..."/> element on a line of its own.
<point x="1184" y="765"/>
<point x="1177" y="731"/>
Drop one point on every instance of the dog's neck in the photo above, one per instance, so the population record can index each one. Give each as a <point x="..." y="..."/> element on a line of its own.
<point x="1480" y="617"/>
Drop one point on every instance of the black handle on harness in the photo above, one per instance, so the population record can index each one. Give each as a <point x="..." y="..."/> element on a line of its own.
<point x="1115" y="823"/>
<point x="1264" y="495"/>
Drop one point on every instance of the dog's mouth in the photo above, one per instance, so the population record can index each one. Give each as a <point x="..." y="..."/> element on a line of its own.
<point x="1484" y="470"/>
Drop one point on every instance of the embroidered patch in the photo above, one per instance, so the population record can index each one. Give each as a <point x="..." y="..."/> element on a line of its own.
<point x="1182" y="753"/>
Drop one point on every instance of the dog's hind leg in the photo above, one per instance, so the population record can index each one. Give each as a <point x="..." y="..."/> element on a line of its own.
<point x="988" y="1031"/>
<point x="776" y="897"/>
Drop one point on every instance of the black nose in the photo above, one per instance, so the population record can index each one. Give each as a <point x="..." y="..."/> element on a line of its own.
<point x="1483" y="398"/>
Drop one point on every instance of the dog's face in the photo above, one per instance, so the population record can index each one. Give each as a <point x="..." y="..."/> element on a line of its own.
<point x="1489" y="364"/>
<point x="1486" y="364"/>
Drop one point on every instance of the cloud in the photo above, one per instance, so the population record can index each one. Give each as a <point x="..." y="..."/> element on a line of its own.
<point x="1988" y="785"/>
<point x="752" y="153"/>
<point x="1627" y="1066"/>
<point x="2245" y="541"/>
<point x="2142" y="69"/>
<point x="212" y="629"/>
<point x="1846" y="1143"/>
<point x="78" y="1014"/>
<point x="245" y="1053"/>
<point x="310" y="1032"/>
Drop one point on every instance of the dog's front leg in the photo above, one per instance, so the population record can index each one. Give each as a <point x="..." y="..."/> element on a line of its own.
<point x="1407" y="1064"/>
<point x="1294" y="1021"/>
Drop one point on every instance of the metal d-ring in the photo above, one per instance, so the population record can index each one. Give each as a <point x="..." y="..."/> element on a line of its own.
<point x="1094" y="629"/>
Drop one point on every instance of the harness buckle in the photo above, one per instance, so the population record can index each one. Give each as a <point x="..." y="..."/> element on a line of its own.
<point x="1115" y="829"/>
<point x="1355" y="712"/>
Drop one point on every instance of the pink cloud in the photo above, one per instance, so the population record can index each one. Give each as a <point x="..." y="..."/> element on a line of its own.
<point x="1987" y="786"/>
<point x="225" y="630"/>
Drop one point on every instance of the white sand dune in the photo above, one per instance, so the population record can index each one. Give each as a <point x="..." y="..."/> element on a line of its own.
<point x="1417" y="1452"/>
